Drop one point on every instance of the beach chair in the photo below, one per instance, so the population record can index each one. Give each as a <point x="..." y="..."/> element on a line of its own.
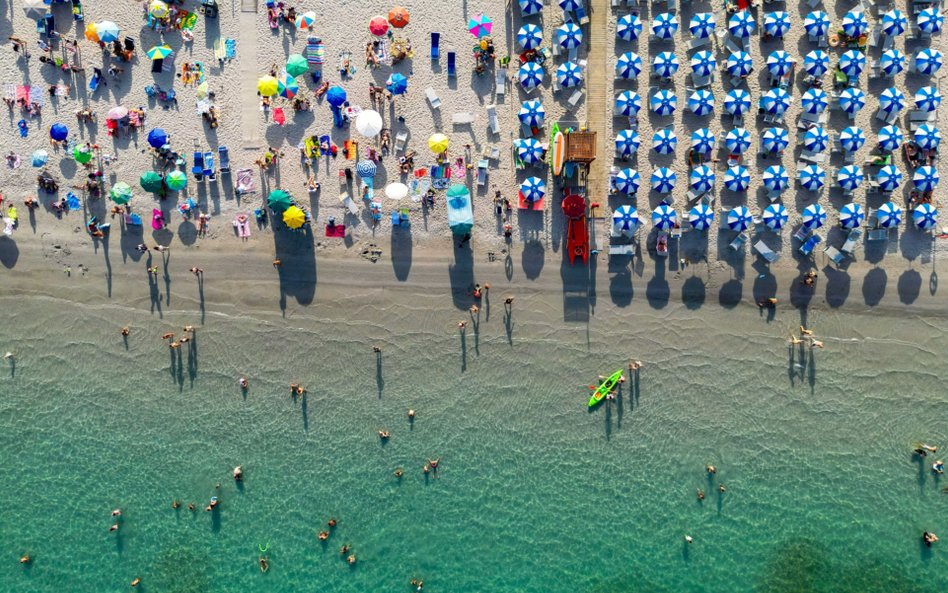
<point x="851" y="241"/>
<point x="482" y="172"/>
<point x="209" y="170"/>
<point x="809" y="245"/>
<point x="835" y="255"/>
<point x="738" y="241"/>
<point x="224" y="156"/>
<point x="245" y="182"/>
<point x="435" y="46"/>
<point x="349" y="203"/>
<point x="492" y="122"/>
<point x="462" y="118"/>
<point x="400" y="139"/>
<point x="433" y="99"/>
<point x="576" y="97"/>
<point x="766" y="252"/>
<point x="500" y="82"/>
<point x="628" y="249"/>
<point x="802" y="233"/>
<point x="198" y="168"/>
<point x="452" y="64"/>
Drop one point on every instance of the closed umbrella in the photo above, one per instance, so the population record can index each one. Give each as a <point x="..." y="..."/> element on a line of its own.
<point x="279" y="200"/>
<point x="855" y="23"/>
<point x="569" y="75"/>
<point x="158" y="9"/>
<point x="891" y="100"/>
<point x="121" y="193"/>
<point x="779" y="63"/>
<point x="852" y="63"/>
<point x="929" y="20"/>
<point x="816" y="63"/>
<point x="776" y="24"/>
<point x="366" y="169"/>
<point x="927" y="98"/>
<point x="664" y="141"/>
<point x="438" y="143"/>
<point x="35" y="9"/>
<point x="889" y="215"/>
<point x="665" y="25"/>
<point x="742" y="24"/>
<point x="889" y="178"/>
<point x="702" y="179"/>
<point x="894" y="23"/>
<point x="851" y="216"/>
<point x="305" y="20"/>
<point x="701" y="102"/>
<point x="664" y="102"/>
<point x="851" y="100"/>
<point x="739" y="218"/>
<point x="627" y="143"/>
<point x="39" y="158"/>
<point x="629" y="65"/>
<point x="849" y="177"/>
<point x="58" y="132"/>
<point x="530" y="151"/>
<point x="814" y="101"/>
<point x="665" y="64"/>
<point x="776" y="101"/>
<point x="268" y="86"/>
<point x="82" y="153"/>
<point x="530" y="7"/>
<point x="737" y="101"/>
<point x="629" y="27"/>
<point x="396" y="84"/>
<point x="150" y="181"/>
<point x="740" y="64"/>
<point x="815" y="139"/>
<point x="398" y="17"/>
<point x="892" y="62"/>
<point x="737" y="140"/>
<point x="702" y="141"/>
<point x="176" y="180"/>
<point x="533" y="189"/>
<point x="816" y="23"/>
<point x="530" y="75"/>
<point x="928" y="61"/>
<point x="287" y="87"/>
<point x="927" y="137"/>
<point x="628" y="103"/>
<point x="378" y="25"/>
<point x="814" y="216"/>
<point x="775" y="178"/>
<point x="701" y="25"/>
<point x="627" y="181"/>
<point x="926" y="178"/>
<point x="336" y="96"/>
<point x="890" y="138"/>
<point x="737" y="178"/>
<point x="811" y="177"/>
<point x="532" y="114"/>
<point x="701" y="217"/>
<point x="663" y="180"/>
<point x="296" y="65"/>
<point x="703" y="63"/>
<point x="852" y="138"/>
<point x="569" y="36"/>
<point x="159" y="52"/>
<point x="480" y="26"/>
<point x="775" y="216"/>
<point x="664" y="217"/>
<point x="625" y="220"/>
<point x="775" y="140"/>
<point x="529" y="36"/>
<point x="108" y="31"/>
<point x="396" y="191"/>
<point x="294" y="217"/>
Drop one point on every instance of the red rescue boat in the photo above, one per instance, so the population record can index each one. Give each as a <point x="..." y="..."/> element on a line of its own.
<point x="577" y="232"/>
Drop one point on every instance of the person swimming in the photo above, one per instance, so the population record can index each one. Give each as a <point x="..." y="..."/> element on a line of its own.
<point x="125" y="331"/>
<point x="351" y="559"/>
<point x="167" y="336"/>
<point x="26" y="559"/>
<point x="213" y="504"/>
<point x="136" y="581"/>
<point x="175" y="504"/>
<point x="244" y="384"/>
<point x="344" y="549"/>
<point x="323" y="536"/>
<point x="114" y="527"/>
<point x="929" y="538"/>
<point x="711" y="469"/>
<point x="399" y="472"/>
<point x="411" y="414"/>
<point x="938" y="467"/>
<point x="238" y="473"/>
<point x="117" y="513"/>
<point x="331" y="522"/>
<point x="264" y="563"/>
<point x="384" y="435"/>
<point x="700" y="494"/>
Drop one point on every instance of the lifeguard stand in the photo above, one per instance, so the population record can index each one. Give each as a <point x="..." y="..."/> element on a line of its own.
<point x="581" y="147"/>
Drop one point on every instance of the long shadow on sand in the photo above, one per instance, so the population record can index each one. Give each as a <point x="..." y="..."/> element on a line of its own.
<point x="461" y="276"/>
<point x="297" y="271"/>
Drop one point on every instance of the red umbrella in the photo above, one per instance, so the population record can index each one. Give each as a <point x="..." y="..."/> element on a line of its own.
<point x="378" y="25"/>
<point x="398" y="16"/>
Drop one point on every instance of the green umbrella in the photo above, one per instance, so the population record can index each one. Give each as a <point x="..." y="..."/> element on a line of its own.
<point x="176" y="180"/>
<point x="150" y="181"/>
<point x="279" y="200"/>
<point x="121" y="193"/>
<point x="296" y="65"/>
<point x="82" y="154"/>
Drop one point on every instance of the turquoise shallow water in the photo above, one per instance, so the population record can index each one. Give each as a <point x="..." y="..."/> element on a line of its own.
<point x="534" y="494"/>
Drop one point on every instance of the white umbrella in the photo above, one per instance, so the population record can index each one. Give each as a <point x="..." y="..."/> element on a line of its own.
<point x="369" y="123"/>
<point x="396" y="191"/>
<point x="35" y="9"/>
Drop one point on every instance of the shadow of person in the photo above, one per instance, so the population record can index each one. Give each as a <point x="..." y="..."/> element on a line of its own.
<point x="463" y="335"/>
<point x="379" y="379"/>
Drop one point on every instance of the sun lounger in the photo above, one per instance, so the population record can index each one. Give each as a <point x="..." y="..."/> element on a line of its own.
<point x="209" y="171"/>
<point x="576" y="97"/>
<point x="462" y="118"/>
<point x="500" y="82"/>
<point x="835" y="255"/>
<point x="224" y="156"/>
<point x="851" y="241"/>
<point x="435" y="46"/>
<point x="802" y="233"/>
<point x="581" y="15"/>
<point x="697" y="42"/>
<point x="198" y="168"/>
<point x="628" y="249"/>
<point x="738" y="241"/>
<point x="433" y="99"/>
<point x="492" y="122"/>
<point x="809" y="245"/>
<point x="482" y="172"/>
<point x="452" y="67"/>
<point x="877" y="235"/>
<point x="400" y="139"/>
<point x="245" y="182"/>
<point x="766" y="252"/>
<point x="348" y="202"/>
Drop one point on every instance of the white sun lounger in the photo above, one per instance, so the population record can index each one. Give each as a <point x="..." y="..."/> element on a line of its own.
<point x="433" y="99"/>
<point x="400" y="139"/>
<point x="346" y="200"/>
<point x="851" y="241"/>
<point x="462" y="118"/>
<point x="500" y="82"/>
<point x="766" y="252"/>
<point x="492" y="122"/>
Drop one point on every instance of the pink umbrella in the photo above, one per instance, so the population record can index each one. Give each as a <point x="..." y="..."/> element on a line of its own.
<point x="479" y="26"/>
<point x="378" y="26"/>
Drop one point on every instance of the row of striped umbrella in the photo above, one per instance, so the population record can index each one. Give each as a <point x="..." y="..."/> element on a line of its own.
<point x="568" y="36"/>
<point x="569" y="74"/>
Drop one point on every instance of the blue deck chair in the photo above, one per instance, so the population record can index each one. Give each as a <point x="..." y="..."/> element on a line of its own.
<point x="435" y="46"/>
<point x="209" y="169"/>
<point x="94" y="82"/>
<point x="224" y="155"/>
<point x="198" y="168"/>
<point x="810" y="244"/>
<point x="452" y="72"/>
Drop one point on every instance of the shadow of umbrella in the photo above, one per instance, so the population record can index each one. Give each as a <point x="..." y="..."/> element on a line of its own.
<point x="730" y="294"/>
<point x="693" y="293"/>
<point x="910" y="284"/>
<point x="873" y="286"/>
<point x="9" y="252"/>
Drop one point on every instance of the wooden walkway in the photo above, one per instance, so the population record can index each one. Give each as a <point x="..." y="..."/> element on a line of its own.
<point x="597" y="103"/>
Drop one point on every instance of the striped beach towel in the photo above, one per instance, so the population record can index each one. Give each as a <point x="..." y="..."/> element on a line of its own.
<point x="315" y="51"/>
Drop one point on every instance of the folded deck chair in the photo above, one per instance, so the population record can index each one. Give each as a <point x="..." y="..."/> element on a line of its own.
<point x="452" y="66"/>
<point x="224" y="155"/>
<point x="198" y="168"/>
<point x="435" y="46"/>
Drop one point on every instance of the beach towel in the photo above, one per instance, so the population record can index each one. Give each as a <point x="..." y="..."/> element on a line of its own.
<point x="23" y="92"/>
<point x="72" y="202"/>
<point x="230" y="48"/>
<point x="157" y="219"/>
<point x="324" y="144"/>
<point x="245" y="182"/>
<point x="315" y="51"/>
<point x="24" y="131"/>
<point x="525" y="204"/>
<point x="278" y="116"/>
<point x="309" y="147"/>
<point x="458" y="169"/>
<point x="418" y="188"/>
<point x="242" y="225"/>
<point x="336" y="230"/>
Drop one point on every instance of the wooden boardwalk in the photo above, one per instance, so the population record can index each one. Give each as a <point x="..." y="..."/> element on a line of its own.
<point x="597" y="103"/>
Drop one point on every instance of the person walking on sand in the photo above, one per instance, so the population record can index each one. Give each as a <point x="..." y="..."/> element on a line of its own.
<point x="162" y="248"/>
<point x="816" y="344"/>
<point x="197" y="271"/>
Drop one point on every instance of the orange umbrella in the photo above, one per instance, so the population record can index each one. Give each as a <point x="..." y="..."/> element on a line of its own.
<point x="398" y="16"/>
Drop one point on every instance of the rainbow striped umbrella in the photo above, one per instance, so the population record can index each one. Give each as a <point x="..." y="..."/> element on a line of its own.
<point x="480" y="26"/>
<point x="287" y="86"/>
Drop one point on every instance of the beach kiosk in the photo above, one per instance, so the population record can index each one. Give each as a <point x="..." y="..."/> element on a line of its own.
<point x="460" y="212"/>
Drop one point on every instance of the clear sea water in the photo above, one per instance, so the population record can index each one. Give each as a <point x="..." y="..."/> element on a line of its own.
<point x="534" y="493"/>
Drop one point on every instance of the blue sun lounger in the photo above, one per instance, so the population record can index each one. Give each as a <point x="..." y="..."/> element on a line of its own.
<point x="198" y="168"/>
<point x="435" y="46"/>
<point x="452" y="71"/>
<point x="225" y="159"/>
<point x="209" y="169"/>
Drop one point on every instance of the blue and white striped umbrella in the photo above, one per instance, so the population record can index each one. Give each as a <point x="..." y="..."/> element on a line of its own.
<point x="569" y="36"/>
<point x="739" y="218"/>
<point x="702" y="141"/>
<point x="927" y="137"/>
<point x="926" y="178"/>
<point x="737" y="101"/>
<point x="889" y="178"/>
<point x="816" y="24"/>
<point x="663" y="180"/>
<point x="930" y="20"/>
<point x="625" y="220"/>
<point x="775" y="178"/>
<point x="776" y="24"/>
<point x="627" y="142"/>
<point x="816" y="63"/>
<point x="627" y="181"/>
<point x="702" y="178"/>
<point x="928" y="61"/>
<point x="530" y="36"/>
<point x="629" y="27"/>
<point x="927" y="98"/>
<point x="855" y="23"/>
<point x="891" y="100"/>
<point x="664" y="102"/>
<point x="530" y="75"/>
<point x="533" y="189"/>
<point x="664" y="141"/>
<point x="628" y="103"/>
<point x="665" y="25"/>
<point x="570" y="5"/>
<point x="852" y="138"/>
<point x="366" y="169"/>
<point x="849" y="177"/>
<point x="814" y="216"/>
<point x="530" y="151"/>
<point x="851" y="100"/>
<point x="701" y="102"/>
<point x="701" y="25"/>
<point x="815" y="139"/>
<point x="569" y="75"/>
<point x="741" y="24"/>
<point x="925" y="216"/>
<point x="666" y="64"/>
<point x="530" y="7"/>
<point x="740" y="64"/>
<point x="780" y="63"/>
<point x="664" y="217"/>
<point x="811" y="177"/>
<point x="889" y="215"/>
<point x="701" y="217"/>
<point x="737" y="178"/>
<point x="737" y="140"/>
<point x="894" y="23"/>
<point x="629" y="65"/>
<point x="890" y="138"/>
<point x="775" y="140"/>
<point x="814" y="101"/>
<point x="703" y="63"/>
<point x="775" y="101"/>
<point x="851" y="216"/>
<point x="852" y="63"/>
<point x="775" y="216"/>
<point x="532" y="113"/>
<point x="892" y="62"/>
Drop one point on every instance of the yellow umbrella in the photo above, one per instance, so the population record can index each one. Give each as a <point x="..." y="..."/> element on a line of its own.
<point x="438" y="143"/>
<point x="158" y="9"/>
<point x="91" y="34"/>
<point x="293" y="217"/>
<point x="267" y="86"/>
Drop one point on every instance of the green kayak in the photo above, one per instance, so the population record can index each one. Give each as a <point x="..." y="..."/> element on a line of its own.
<point x="605" y="387"/>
